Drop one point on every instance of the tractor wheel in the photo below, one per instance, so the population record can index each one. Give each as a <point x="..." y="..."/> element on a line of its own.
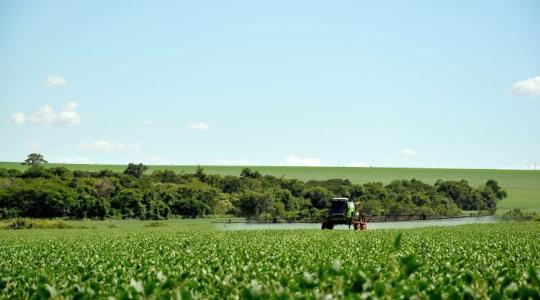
<point x="327" y="225"/>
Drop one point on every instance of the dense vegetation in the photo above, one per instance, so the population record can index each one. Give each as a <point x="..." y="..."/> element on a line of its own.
<point x="42" y="192"/>
<point x="466" y="262"/>
<point x="523" y="186"/>
<point x="517" y="214"/>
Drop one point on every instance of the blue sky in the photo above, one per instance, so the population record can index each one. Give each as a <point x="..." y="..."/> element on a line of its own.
<point x="379" y="83"/>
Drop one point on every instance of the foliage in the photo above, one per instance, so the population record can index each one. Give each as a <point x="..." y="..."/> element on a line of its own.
<point x="41" y="192"/>
<point x="135" y="170"/>
<point x="517" y="214"/>
<point x="22" y="223"/>
<point x="155" y="224"/>
<point x="248" y="173"/>
<point x="490" y="261"/>
<point x="522" y="185"/>
<point x="34" y="160"/>
<point x="484" y="198"/>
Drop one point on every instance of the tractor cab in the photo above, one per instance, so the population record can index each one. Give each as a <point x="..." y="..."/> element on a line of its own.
<point x="341" y="212"/>
<point x="340" y="207"/>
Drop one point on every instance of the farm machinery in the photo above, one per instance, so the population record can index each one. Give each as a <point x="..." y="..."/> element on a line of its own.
<point x="343" y="211"/>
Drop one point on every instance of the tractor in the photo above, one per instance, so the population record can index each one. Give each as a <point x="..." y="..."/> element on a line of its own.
<point x="343" y="211"/>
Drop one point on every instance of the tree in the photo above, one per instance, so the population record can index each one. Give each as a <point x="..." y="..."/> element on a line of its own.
<point x="254" y="203"/>
<point x="129" y="203"/>
<point x="199" y="173"/>
<point x="167" y="176"/>
<point x="320" y="197"/>
<point x="135" y="170"/>
<point x="158" y="210"/>
<point x="494" y="186"/>
<point x="34" y="160"/>
<point x="459" y="191"/>
<point x="248" y="173"/>
<point x="39" y="198"/>
<point x="199" y="191"/>
<point x="189" y="208"/>
<point x="44" y="192"/>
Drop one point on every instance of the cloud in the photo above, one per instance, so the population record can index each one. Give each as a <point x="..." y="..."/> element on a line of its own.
<point x="76" y="160"/>
<point x="46" y="115"/>
<point x="529" y="87"/>
<point x="407" y="152"/>
<point x="300" y="161"/>
<point x="200" y="126"/>
<point x="17" y="119"/>
<point x="55" y="80"/>
<point x="237" y="162"/>
<point x="108" y="146"/>
<point x="358" y="165"/>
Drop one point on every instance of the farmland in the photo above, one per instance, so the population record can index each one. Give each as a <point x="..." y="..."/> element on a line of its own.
<point x="523" y="186"/>
<point x="483" y="261"/>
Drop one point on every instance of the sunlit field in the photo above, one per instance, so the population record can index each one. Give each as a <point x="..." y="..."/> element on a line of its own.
<point x="482" y="260"/>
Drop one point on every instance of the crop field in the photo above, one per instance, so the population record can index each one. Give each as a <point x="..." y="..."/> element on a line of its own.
<point x="523" y="186"/>
<point x="479" y="261"/>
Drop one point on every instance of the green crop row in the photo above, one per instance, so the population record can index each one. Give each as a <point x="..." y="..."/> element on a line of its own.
<point x="478" y="261"/>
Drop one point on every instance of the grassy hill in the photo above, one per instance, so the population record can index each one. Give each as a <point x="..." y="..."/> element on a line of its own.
<point x="523" y="186"/>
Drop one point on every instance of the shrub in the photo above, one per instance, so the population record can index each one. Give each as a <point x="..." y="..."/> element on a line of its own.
<point x="21" y="223"/>
<point x="517" y="215"/>
<point x="155" y="224"/>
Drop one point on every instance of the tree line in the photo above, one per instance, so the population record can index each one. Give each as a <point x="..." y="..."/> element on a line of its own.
<point x="46" y="192"/>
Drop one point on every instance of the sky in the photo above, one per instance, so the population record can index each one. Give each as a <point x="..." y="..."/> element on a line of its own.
<point x="453" y="84"/>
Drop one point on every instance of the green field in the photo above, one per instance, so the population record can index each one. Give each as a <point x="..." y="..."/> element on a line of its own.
<point x="523" y="186"/>
<point x="132" y="261"/>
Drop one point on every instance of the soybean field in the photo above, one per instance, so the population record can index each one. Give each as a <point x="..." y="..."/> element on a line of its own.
<point x="472" y="261"/>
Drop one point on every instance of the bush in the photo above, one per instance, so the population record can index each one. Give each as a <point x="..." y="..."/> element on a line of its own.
<point x="9" y="213"/>
<point x="517" y="215"/>
<point x="155" y="224"/>
<point x="21" y="223"/>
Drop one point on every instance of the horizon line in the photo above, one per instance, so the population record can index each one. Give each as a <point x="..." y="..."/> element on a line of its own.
<point x="279" y="166"/>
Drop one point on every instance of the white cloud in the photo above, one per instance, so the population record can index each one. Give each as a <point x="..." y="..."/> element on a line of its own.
<point x="237" y="162"/>
<point x="76" y="160"/>
<point x="407" y="152"/>
<point x="46" y="115"/>
<point x="300" y="161"/>
<point x="529" y="87"/>
<point x="55" y="80"/>
<point x="358" y="165"/>
<point x="18" y="119"/>
<point x="108" y="146"/>
<point x="31" y="145"/>
<point x="200" y="126"/>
